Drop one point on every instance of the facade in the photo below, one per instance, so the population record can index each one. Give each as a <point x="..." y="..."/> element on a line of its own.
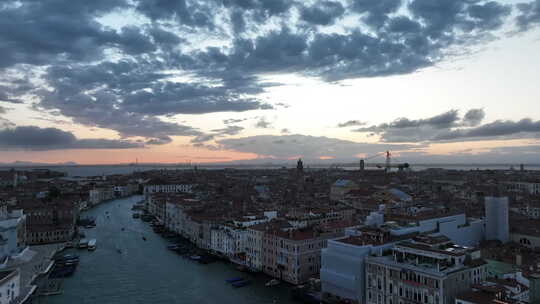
<point x="343" y="263"/>
<point x="497" y="226"/>
<point x="530" y="187"/>
<point x="49" y="222"/>
<point x="425" y="270"/>
<point x="295" y="255"/>
<point x="229" y="240"/>
<point x="167" y="188"/>
<point x="99" y="195"/>
<point x="12" y="231"/>
<point x="10" y="286"/>
<point x="457" y="227"/>
<point x="254" y="248"/>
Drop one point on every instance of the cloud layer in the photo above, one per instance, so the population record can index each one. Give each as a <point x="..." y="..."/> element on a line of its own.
<point x="40" y="139"/>
<point x="126" y="65"/>
<point x="450" y="126"/>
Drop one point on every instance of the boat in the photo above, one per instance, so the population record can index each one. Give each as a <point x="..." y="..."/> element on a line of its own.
<point x="92" y="245"/>
<point x="69" y="245"/>
<point x="241" y="283"/>
<point x="173" y="247"/>
<point x="232" y="280"/>
<point x="195" y="257"/>
<point x="143" y="238"/>
<point x="89" y="226"/>
<point x="272" y="282"/>
<point x="83" y="243"/>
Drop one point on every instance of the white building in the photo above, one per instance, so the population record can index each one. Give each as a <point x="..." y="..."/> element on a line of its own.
<point x="228" y="240"/>
<point x="457" y="227"/>
<point x="10" y="285"/>
<point x="343" y="263"/>
<point x="527" y="187"/>
<point x="12" y="232"/>
<point x="497" y="226"/>
<point x="168" y="188"/>
<point x="425" y="270"/>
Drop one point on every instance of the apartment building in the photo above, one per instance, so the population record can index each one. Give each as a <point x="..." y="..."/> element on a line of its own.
<point x="429" y="270"/>
<point x="294" y="255"/>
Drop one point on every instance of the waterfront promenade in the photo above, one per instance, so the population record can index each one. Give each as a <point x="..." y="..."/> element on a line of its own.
<point x="146" y="272"/>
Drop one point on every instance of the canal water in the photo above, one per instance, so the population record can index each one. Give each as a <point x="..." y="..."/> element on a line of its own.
<point x="146" y="272"/>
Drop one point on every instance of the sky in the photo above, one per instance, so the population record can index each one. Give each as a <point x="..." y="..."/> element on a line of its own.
<point x="115" y="81"/>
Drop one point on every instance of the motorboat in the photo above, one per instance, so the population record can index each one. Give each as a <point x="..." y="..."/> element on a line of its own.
<point x="241" y="283"/>
<point x="83" y="243"/>
<point x="92" y="245"/>
<point x="272" y="282"/>
<point x="232" y="280"/>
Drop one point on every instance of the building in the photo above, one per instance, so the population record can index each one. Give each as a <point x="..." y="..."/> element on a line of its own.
<point x="496" y="211"/>
<point x="50" y="222"/>
<point x="496" y="292"/>
<point x="99" y="195"/>
<point x="343" y="262"/>
<point x="429" y="270"/>
<point x="10" y="286"/>
<point x="12" y="231"/>
<point x="294" y="255"/>
<point x="157" y="186"/>
<point x="456" y="226"/>
<point x="529" y="187"/>
<point x="229" y="240"/>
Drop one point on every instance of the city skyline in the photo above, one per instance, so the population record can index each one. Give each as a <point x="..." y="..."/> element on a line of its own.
<point x="218" y="81"/>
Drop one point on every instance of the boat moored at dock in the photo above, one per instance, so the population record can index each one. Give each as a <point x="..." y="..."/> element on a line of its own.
<point x="92" y="245"/>
<point x="83" y="243"/>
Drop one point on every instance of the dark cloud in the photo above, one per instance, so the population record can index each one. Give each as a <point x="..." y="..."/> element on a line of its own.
<point x="187" y="13"/>
<point x="108" y="93"/>
<point x="125" y="79"/>
<point x="311" y="147"/>
<point x="376" y="11"/>
<point x="43" y="32"/>
<point x="322" y="13"/>
<point x="441" y="121"/>
<point x="228" y="130"/>
<point x="449" y="126"/>
<point x="35" y="138"/>
<point x="474" y="117"/>
<point x="5" y="98"/>
<point x="495" y="129"/>
<point x="159" y="141"/>
<point x="232" y="121"/>
<point x="444" y="17"/>
<point x="529" y="15"/>
<point x="351" y="123"/>
<point x="263" y="123"/>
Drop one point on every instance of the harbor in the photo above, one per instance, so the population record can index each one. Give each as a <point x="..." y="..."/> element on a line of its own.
<point x="133" y="264"/>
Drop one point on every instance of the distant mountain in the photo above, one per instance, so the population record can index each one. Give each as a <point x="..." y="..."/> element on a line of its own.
<point x="20" y="163"/>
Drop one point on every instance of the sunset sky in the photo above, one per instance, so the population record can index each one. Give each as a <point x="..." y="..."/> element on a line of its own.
<point x="111" y="81"/>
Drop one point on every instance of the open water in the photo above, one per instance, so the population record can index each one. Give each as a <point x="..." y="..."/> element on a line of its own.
<point x="146" y="272"/>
